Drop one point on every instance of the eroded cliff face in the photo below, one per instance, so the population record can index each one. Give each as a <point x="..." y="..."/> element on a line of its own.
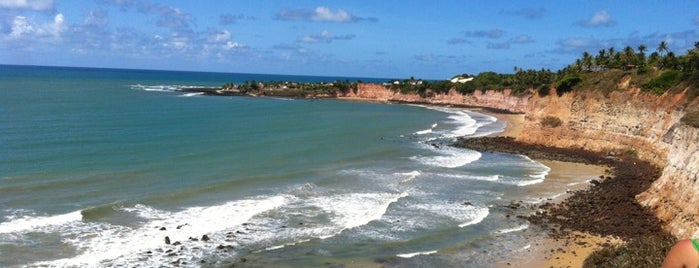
<point x="631" y="121"/>
<point x="625" y="121"/>
<point x="673" y="197"/>
<point x="501" y="100"/>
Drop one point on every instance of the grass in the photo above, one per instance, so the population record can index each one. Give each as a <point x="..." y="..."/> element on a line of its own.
<point x="551" y="121"/>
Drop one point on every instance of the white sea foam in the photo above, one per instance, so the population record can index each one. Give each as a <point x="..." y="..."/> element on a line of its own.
<point x="409" y="176"/>
<point x="477" y="215"/>
<point x="426" y="131"/>
<point x="578" y="183"/>
<point x="472" y="177"/>
<point x="464" y="214"/>
<point x="162" y="88"/>
<point x="38" y="223"/>
<point x="529" y="182"/>
<point x="193" y="94"/>
<point x="515" y="229"/>
<point x="450" y="157"/>
<point x="349" y="211"/>
<point x="100" y="243"/>
<point x="410" y="255"/>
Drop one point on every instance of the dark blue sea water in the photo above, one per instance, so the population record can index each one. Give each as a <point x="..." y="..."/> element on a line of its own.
<point x="99" y="166"/>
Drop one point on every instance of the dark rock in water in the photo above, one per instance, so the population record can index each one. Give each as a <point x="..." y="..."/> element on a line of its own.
<point x="205" y="238"/>
<point x="180" y="226"/>
<point x="167" y="240"/>
<point x="177" y="243"/>
<point x="163" y="228"/>
<point x="225" y="248"/>
<point x="467" y="203"/>
<point x="193" y="239"/>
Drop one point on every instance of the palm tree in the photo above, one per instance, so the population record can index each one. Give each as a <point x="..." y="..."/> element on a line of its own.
<point x="662" y="47"/>
<point x="629" y="55"/>
<point x="587" y="61"/>
<point x="642" y="54"/>
<point x="601" y="59"/>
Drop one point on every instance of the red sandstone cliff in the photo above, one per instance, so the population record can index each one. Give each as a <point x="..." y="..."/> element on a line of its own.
<point x="627" y="120"/>
<point x="502" y="100"/>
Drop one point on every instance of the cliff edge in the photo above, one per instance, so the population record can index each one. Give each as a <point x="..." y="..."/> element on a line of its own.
<point x="624" y="121"/>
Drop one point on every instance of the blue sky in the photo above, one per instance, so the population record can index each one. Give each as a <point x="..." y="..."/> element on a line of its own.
<point x="392" y="39"/>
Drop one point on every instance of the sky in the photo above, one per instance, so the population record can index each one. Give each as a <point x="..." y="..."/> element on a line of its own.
<point x="387" y="39"/>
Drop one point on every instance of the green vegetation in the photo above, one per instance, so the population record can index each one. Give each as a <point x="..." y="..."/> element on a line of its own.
<point x="293" y="89"/>
<point x="551" y="121"/>
<point x="567" y="83"/>
<point x="606" y="71"/>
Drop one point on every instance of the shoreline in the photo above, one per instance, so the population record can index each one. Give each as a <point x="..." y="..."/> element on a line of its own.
<point x="602" y="215"/>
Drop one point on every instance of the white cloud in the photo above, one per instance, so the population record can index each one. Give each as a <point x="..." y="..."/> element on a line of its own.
<point x="325" y="14"/>
<point x="39" y="5"/>
<point x="22" y="28"/>
<point x="319" y="14"/>
<point x="600" y="18"/>
<point x="325" y="37"/>
<point x="219" y="36"/>
<point x="521" y="39"/>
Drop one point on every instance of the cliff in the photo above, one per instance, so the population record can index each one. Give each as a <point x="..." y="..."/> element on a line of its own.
<point x="626" y="121"/>
<point x="501" y="100"/>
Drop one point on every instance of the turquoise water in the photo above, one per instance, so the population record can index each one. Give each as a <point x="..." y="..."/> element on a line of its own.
<point x="98" y="166"/>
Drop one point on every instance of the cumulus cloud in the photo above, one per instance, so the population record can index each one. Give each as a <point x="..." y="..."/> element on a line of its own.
<point x="599" y="19"/>
<point x="527" y="13"/>
<point x="458" y="41"/>
<point x="522" y="39"/>
<point x="504" y="45"/>
<point x="168" y="17"/>
<point x="23" y="28"/>
<point x="492" y="34"/>
<point x="38" y="5"/>
<point x="324" y="37"/>
<point x="319" y="14"/>
<point x="228" y="19"/>
<point x="218" y="36"/>
<point x="576" y="45"/>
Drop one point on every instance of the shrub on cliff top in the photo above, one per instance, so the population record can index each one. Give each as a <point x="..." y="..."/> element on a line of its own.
<point x="567" y="83"/>
<point x="551" y="121"/>
<point x="663" y="82"/>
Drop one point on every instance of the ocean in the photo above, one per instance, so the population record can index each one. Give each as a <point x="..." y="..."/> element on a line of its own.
<point x="117" y="168"/>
